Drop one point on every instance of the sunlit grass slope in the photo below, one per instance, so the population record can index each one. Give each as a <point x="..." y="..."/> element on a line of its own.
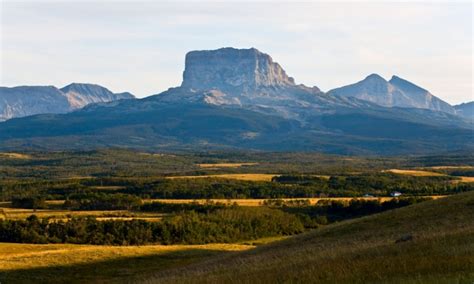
<point x="430" y="242"/>
<point x="69" y="263"/>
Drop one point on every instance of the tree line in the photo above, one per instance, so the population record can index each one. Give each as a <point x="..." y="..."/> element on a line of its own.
<point x="227" y="225"/>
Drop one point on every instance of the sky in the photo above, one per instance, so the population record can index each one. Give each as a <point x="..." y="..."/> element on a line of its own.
<point x="140" y="46"/>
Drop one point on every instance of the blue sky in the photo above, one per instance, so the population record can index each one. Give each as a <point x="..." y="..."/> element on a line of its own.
<point x="140" y="46"/>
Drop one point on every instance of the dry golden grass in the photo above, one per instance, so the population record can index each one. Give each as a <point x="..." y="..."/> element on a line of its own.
<point x="149" y="219"/>
<point x="61" y="263"/>
<point x="259" y="202"/>
<point x="225" y="165"/>
<point x="450" y="167"/>
<point x="246" y="177"/>
<point x="417" y="173"/>
<point x="18" y="214"/>
<point x="15" y="156"/>
<point x="76" y="177"/>
<point x="420" y="173"/>
<point x="109" y="187"/>
<point x="466" y="179"/>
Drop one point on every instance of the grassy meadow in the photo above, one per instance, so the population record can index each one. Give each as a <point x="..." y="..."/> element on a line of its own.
<point x="60" y="263"/>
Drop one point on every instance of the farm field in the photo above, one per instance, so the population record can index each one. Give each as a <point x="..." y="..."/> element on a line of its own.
<point x="226" y="165"/>
<point x="414" y="172"/>
<point x="246" y="177"/>
<point x="424" y="173"/>
<point x="450" y="167"/>
<point x="260" y="202"/>
<point x="11" y="155"/>
<point x="57" y="214"/>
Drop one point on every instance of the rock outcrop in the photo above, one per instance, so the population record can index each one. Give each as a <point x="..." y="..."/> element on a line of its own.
<point x="230" y="68"/>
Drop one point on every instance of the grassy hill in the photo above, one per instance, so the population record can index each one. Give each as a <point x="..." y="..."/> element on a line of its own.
<point x="431" y="242"/>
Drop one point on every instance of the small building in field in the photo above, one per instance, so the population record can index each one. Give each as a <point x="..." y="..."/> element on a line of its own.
<point x="395" y="194"/>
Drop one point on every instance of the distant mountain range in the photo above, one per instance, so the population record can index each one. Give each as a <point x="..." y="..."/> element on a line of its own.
<point x="30" y="100"/>
<point x="242" y="99"/>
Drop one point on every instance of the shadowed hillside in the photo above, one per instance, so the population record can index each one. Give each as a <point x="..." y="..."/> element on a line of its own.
<point x="423" y="243"/>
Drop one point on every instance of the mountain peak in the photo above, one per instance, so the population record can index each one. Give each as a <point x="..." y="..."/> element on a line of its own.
<point x="85" y="87"/>
<point x="231" y="68"/>
<point x="375" y="77"/>
<point x="397" y="92"/>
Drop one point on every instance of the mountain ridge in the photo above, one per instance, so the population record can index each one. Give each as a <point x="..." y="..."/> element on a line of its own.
<point x="246" y="105"/>
<point x="23" y="101"/>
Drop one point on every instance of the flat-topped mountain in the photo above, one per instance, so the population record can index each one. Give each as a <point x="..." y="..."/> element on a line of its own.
<point x="249" y="79"/>
<point x="394" y="93"/>
<point x="242" y="99"/>
<point x="30" y="100"/>
<point x="230" y="68"/>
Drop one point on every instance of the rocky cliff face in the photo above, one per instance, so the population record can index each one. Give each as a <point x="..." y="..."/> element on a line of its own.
<point x="394" y="93"/>
<point x="230" y="68"/>
<point x="247" y="78"/>
<point x="31" y="100"/>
